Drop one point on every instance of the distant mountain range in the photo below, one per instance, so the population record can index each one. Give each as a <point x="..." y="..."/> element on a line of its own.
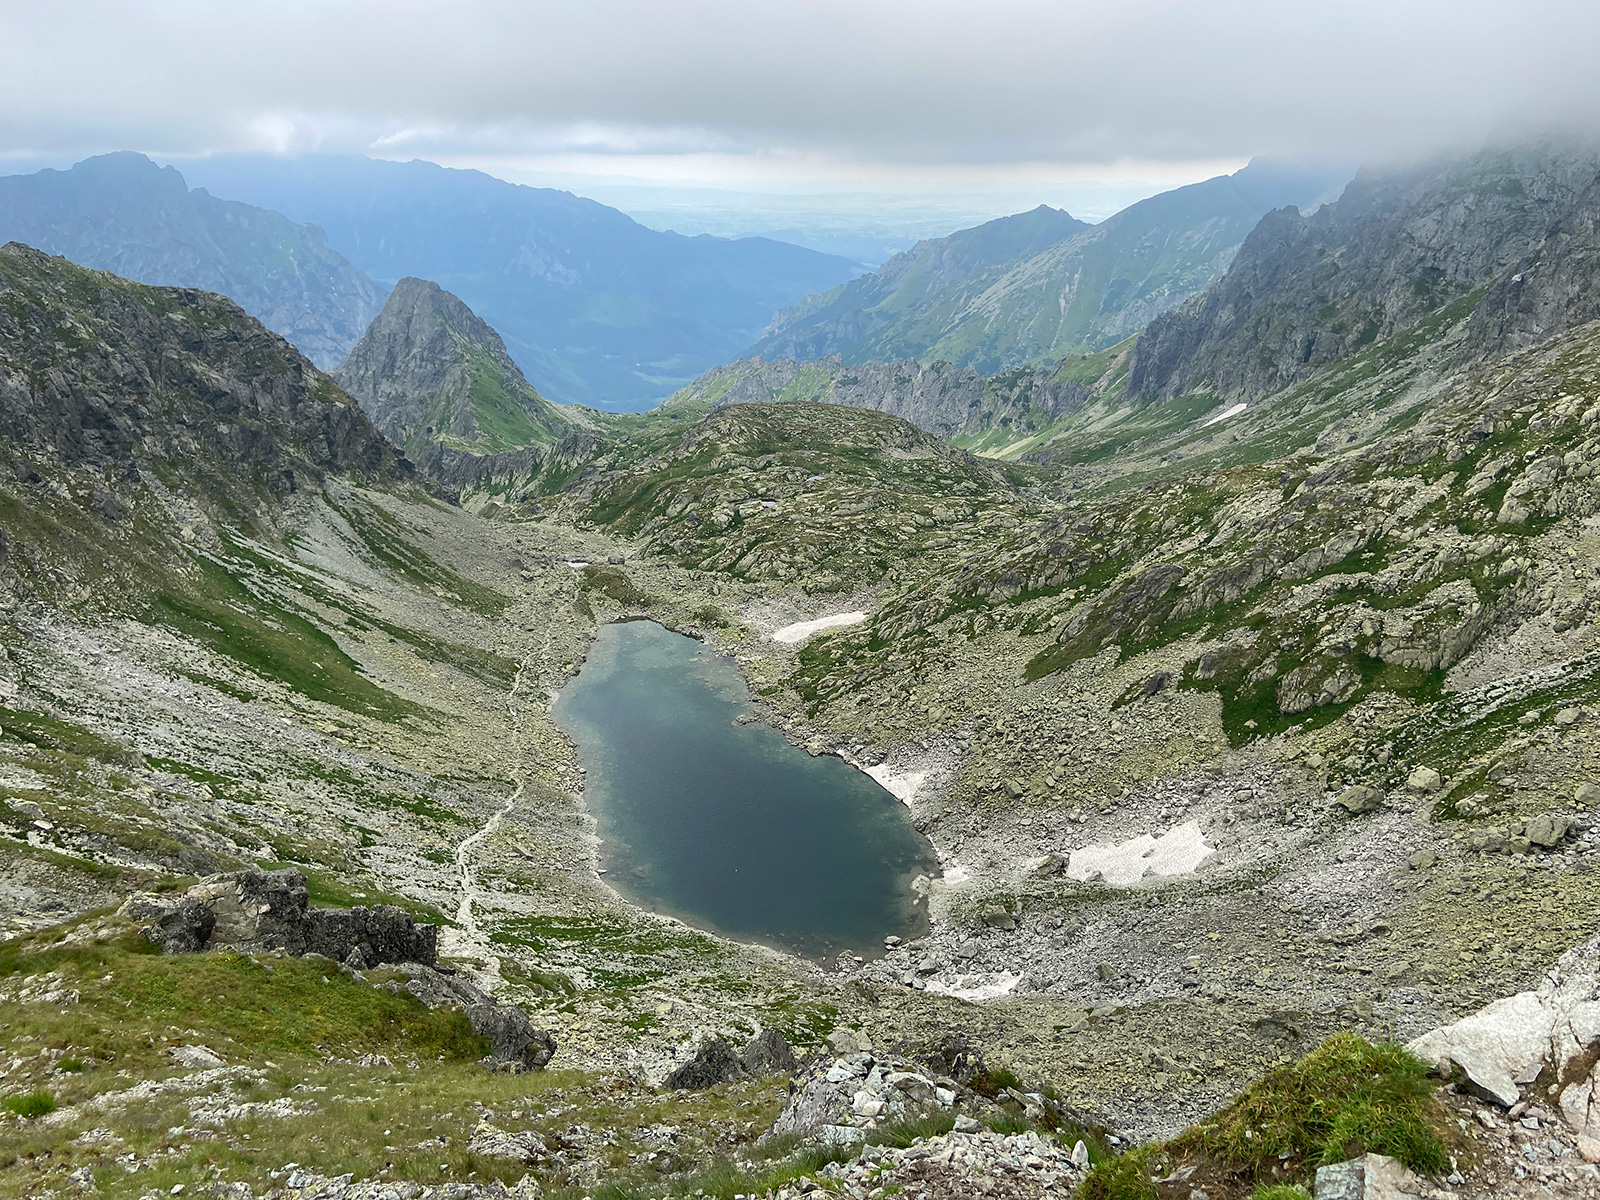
<point x="122" y="213"/>
<point x="594" y="307"/>
<point x="1032" y="288"/>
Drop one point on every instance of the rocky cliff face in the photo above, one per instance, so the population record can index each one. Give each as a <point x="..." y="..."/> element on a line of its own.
<point x="116" y="397"/>
<point x="1090" y="287"/>
<point x="432" y="374"/>
<point x="122" y="213"/>
<point x="1398" y="247"/>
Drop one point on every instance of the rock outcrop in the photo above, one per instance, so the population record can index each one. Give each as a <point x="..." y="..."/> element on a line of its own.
<point x="106" y="374"/>
<point x="716" y="1062"/>
<point x="270" y="910"/>
<point x="1543" y="1044"/>
<point x="1398" y="246"/>
<point x="513" y="1041"/>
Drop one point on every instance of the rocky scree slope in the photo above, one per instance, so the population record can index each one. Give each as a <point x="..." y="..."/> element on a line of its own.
<point x="1399" y="245"/>
<point x="816" y="495"/>
<point x="1084" y="292"/>
<point x="433" y="376"/>
<point x="122" y="213"/>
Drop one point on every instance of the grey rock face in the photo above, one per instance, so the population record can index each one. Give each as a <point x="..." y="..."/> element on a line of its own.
<point x="513" y="1041"/>
<point x="1396" y="247"/>
<point x="1359" y="798"/>
<point x="270" y="910"/>
<point x="167" y="376"/>
<point x="1370" y="1177"/>
<point x="714" y="1063"/>
<point x="182" y="928"/>
<point x="432" y="374"/>
<point x="768" y="1053"/>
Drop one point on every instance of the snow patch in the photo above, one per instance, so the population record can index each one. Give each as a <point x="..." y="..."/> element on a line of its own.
<point x="576" y="566"/>
<point x="793" y="635"/>
<point x="976" y="987"/>
<point x="1233" y="411"/>
<point x="902" y="785"/>
<point x="1179" y="851"/>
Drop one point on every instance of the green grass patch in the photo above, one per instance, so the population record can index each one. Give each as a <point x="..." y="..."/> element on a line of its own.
<point x="30" y="1105"/>
<point x="1346" y="1098"/>
<point x="219" y="612"/>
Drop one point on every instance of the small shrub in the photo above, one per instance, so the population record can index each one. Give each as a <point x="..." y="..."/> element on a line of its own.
<point x="34" y="1104"/>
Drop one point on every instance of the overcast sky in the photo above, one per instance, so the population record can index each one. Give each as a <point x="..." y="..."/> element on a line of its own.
<point x="865" y="96"/>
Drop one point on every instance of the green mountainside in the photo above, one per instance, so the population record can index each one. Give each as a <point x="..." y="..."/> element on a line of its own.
<point x="431" y="374"/>
<point x="1088" y="290"/>
<point x="122" y="213"/>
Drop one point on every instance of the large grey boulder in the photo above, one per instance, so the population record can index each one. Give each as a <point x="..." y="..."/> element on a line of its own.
<point x="1370" y="1177"/>
<point x="714" y="1063"/>
<point x="768" y="1053"/>
<point x="1546" y="1040"/>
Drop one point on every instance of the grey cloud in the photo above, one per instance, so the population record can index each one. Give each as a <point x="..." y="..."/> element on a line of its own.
<point x="880" y="80"/>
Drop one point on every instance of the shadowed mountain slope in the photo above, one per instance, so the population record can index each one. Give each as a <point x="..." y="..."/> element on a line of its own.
<point x="122" y="213"/>
<point x="1400" y="246"/>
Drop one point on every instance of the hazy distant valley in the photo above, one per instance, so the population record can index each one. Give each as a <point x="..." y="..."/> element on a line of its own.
<point x="1217" y="587"/>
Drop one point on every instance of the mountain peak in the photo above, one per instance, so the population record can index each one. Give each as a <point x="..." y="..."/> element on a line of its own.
<point x="430" y="372"/>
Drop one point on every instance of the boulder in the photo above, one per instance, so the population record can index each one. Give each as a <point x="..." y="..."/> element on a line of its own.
<point x="1370" y="1177"/>
<point x="1546" y="1040"/>
<point x="493" y="1142"/>
<point x="714" y="1063"/>
<point x="1424" y="779"/>
<point x="768" y="1053"/>
<point x="1547" y="830"/>
<point x="180" y="928"/>
<point x="1360" y="798"/>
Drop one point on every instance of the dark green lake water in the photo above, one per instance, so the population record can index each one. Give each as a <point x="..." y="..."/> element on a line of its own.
<point x="729" y="827"/>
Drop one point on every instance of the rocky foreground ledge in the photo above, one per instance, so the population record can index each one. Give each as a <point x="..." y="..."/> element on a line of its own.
<point x="256" y="911"/>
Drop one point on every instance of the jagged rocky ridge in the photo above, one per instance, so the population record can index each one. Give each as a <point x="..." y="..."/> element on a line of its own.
<point x="434" y="377"/>
<point x="1400" y="245"/>
<point x="1089" y="289"/>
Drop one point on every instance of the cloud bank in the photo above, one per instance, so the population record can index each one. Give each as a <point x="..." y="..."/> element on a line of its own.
<point x="891" y="82"/>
